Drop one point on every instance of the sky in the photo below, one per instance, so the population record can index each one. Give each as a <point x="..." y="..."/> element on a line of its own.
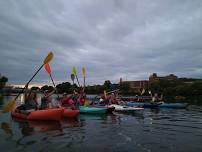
<point x="110" y="38"/>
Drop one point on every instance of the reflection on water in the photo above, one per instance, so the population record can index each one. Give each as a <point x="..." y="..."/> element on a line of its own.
<point x="7" y="129"/>
<point x="147" y="130"/>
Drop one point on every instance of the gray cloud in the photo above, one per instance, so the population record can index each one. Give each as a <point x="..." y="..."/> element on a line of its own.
<point x="112" y="39"/>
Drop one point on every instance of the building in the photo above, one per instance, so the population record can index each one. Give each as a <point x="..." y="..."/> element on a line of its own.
<point x="154" y="77"/>
<point x="137" y="85"/>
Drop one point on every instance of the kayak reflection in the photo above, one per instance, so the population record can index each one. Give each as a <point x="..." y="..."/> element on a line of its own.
<point x="29" y="127"/>
<point x="71" y="123"/>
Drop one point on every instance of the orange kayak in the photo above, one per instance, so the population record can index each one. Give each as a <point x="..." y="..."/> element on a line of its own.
<point x="46" y="114"/>
<point x="70" y="113"/>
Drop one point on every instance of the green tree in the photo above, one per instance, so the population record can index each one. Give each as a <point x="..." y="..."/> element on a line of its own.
<point x="46" y="87"/>
<point x="35" y="88"/>
<point x="64" y="87"/>
<point x="107" y="85"/>
<point x="3" y="81"/>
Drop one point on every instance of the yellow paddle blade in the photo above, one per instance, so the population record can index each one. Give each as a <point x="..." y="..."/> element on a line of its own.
<point x="48" y="58"/>
<point x="9" y="106"/>
<point x="74" y="71"/>
<point x="84" y="71"/>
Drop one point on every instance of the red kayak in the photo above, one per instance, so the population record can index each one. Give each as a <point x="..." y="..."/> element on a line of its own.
<point x="46" y="114"/>
<point x="70" y="113"/>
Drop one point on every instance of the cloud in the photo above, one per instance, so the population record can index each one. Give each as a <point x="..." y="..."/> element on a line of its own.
<point x="113" y="39"/>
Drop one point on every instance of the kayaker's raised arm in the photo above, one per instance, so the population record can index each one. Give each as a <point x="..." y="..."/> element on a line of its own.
<point x="49" y="94"/>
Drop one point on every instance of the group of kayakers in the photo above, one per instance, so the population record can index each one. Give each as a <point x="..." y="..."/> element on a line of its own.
<point x="67" y="100"/>
<point x="112" y="98"/>
<point x="71" y="101"/>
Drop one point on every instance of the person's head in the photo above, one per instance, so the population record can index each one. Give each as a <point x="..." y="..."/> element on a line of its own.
<point x="32" y="95"/>
<point x="46" y="92"/>
<point x="75" y="92"/>
<point x="64" y="94"/>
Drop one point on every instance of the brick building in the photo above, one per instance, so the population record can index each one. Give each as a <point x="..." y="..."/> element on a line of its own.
<point x="154" y="77"/>
<point x="139" y="85"/>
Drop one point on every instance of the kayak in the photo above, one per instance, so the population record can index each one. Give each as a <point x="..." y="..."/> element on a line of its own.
<point x="133" y="103"/>
<point x="92" y="110"/>
<point x="144" y="104"/>
<point x="70" y="113"/>
<point x="173" y="105"/>
<point x="110" y="108"/>
<point x="159" y="105"/>
<point x="125" y="108"/>
<point x="46" y="114"/>
<point x="151" y="105"/>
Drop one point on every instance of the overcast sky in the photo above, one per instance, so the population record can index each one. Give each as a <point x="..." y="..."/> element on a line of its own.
<point x="111" y="38"/>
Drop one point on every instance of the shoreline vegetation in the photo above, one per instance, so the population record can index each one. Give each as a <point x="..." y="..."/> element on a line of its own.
<point x="181" y="89"/>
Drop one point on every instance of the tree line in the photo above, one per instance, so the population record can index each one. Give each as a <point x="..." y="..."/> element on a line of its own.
<point x="179" y="87"/>
<point x="67" y="87"/>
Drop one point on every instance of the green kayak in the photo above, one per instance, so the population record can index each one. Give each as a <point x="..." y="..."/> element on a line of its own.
<point x="92" y="110"/>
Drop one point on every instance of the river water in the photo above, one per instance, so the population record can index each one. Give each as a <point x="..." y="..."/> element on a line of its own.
<point x="178" y="130"/>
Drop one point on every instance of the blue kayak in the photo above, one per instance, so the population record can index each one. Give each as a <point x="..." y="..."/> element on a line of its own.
<point x="173" y="105"/>
<point x="158" y="105"/>
<point x="144" y="104"/>
<point x="134" y="103"/>
<point x="151" y="105"/>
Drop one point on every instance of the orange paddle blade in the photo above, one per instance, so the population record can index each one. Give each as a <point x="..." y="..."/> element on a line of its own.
<point x="47" y="67"/>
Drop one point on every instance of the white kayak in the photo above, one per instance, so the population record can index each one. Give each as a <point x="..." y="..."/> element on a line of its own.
<point x="125" y="108"/>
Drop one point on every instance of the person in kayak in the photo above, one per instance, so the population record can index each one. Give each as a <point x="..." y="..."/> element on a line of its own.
<point x="46" y="100"/>
<point x="30" y="100"/>
<point x="67" y="101"/>
<point x="112" y="99"/>
<point x="82" y="97"/>
<point x="75" y="98"/>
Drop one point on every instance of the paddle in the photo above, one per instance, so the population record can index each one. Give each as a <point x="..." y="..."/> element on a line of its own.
<point x="87" y="102"/>
<point x="84" y="77"/>
<point x="75" y="74"/>
<point x="11" y="104"/>
<point x="72" y="77"/>
<point x="48" y="70"/>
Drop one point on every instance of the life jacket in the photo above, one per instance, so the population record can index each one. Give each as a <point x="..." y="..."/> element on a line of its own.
<point x="67" y="101"/>
<point x="82" y="101"/>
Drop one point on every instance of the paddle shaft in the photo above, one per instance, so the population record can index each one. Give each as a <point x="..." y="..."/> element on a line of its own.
<point x="78" y="81"/>
<point x="29" y="81"/>
<point x="54" y="84"/>
<point x="84" y="83"/>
